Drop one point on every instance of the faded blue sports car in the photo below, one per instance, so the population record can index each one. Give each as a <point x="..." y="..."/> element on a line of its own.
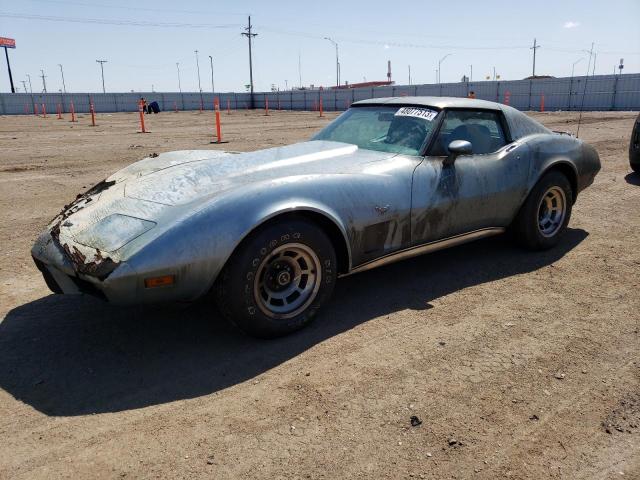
<point x="267" y="233"/>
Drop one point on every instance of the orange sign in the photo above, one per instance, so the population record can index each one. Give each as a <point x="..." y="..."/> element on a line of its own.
<point x="7" y="42"/>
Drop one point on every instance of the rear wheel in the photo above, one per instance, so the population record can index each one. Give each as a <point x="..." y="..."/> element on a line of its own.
<point x="278" y="278"/>
<point x="544" y="216"/>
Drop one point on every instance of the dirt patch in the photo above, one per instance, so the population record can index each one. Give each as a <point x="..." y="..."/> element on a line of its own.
<point x="512" y="361"/>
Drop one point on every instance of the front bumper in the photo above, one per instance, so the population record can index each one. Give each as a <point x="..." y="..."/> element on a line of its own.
<point x="65" y="274"/>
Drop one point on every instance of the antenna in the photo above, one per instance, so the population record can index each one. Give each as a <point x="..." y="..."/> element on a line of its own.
<point x="584" y="91"/>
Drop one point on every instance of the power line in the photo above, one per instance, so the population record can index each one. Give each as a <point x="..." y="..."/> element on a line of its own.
<point x="141" y="9"/>
<point x="101" y="21"/>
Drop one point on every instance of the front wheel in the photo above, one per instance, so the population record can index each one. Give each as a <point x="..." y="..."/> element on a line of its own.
<point x="278" y="278"/>
<point x="545" y="214"/>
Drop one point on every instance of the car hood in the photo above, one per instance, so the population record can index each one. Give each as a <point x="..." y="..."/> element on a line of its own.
<point x="179" y="178"/>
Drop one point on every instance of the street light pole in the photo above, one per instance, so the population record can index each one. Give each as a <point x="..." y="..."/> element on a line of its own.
<point x="335" y="44"/>
<point x="573" y="65"/>
<point x="179" y="85"/>
<point x="102" y="62"/>
<point x="439" y="65"/>
<point x="64" y="87"/>
<point x="213" y="90"/>
<point x="30" y="86"/>
<point x="198" y="68"/>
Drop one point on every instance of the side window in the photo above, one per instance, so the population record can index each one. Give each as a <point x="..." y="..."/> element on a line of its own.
<point x="482" y="128"/>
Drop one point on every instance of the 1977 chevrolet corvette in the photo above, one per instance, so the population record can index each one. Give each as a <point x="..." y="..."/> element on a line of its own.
<point x="267" y="233"/>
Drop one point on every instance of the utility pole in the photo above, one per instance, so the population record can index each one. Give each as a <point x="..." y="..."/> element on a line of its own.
<point x="44" y="83"/>
<point x="30" y="87"/>
<point x="249" y="34"/>
<point x="102" y="62"/>
<point x="335" y="44"/>
<point x="179" y="85"/>
<point x="213" y="90"/>
<point x="24" y="85"/>
<point x="64" y="87"/>
<point x="286" y="85"/>
<point x="409" y="74"/>
<point x="471" y="76"/>
<point x="534" y="48"/>
<point x="299" y="71"/>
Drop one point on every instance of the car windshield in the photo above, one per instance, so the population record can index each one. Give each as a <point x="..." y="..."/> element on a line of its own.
<point x="383" y="128"/>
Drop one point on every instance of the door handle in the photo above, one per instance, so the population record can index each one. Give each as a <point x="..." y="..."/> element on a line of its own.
<point x="511" y="147"/>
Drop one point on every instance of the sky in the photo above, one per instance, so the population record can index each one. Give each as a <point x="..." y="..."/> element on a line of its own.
<point x="143" y="40"/>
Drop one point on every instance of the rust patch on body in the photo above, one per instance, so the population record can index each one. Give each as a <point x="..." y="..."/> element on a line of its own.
<point x="100" y="266"/>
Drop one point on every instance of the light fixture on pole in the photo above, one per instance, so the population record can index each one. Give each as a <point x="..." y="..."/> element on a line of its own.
<point x="439" y="65"/>
<point x="335" y="44"/>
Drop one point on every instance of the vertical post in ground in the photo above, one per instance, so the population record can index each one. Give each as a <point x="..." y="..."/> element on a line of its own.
<point x="44" y="111"/>
<point x="542" y="102"/>
<point x="320" y="106"/>
<point x="266" y="105"/>
<point x="141" y="113"/>
<point x="93" y="114"/>
<point x="216" y="109"/>
<point x="73" y="112"/>
<point x="59" y="112"/>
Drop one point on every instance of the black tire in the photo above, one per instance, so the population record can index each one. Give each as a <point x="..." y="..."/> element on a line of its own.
<point x="527" y="228"/>
<point x="259" y="268"/>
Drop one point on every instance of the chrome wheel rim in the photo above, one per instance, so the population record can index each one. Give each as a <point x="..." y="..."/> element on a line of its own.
<point x="552" y="211"/>
<point x="287" y="281"/>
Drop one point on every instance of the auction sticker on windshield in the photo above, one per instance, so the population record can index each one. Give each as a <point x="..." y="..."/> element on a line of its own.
<point x="424" y="113"/>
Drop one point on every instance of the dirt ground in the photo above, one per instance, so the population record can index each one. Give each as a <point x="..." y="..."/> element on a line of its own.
<point x="518" y="364"/>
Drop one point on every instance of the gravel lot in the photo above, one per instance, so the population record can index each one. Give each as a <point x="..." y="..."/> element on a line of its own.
<point x="518" y="364"/>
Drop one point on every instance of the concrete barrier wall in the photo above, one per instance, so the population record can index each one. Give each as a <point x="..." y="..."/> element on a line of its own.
<point x="603" y="92"/>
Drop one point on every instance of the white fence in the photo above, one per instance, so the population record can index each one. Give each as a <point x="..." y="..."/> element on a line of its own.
<point x="603" y="92"/>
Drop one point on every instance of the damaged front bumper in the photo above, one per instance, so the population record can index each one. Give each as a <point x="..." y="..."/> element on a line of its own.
<point x="65" y="270"/>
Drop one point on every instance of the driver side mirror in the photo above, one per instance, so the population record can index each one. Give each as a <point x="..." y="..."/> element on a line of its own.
<point x="456" y="148"/>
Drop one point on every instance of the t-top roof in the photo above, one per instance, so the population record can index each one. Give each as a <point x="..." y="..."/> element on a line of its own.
<point x="438" y="102"/>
